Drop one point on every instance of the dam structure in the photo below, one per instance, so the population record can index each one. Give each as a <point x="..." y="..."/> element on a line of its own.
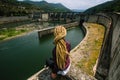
<point x="108" y="63"/>
<point x="56" y="16"/>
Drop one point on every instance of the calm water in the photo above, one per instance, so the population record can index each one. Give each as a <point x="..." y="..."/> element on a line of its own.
<point x="23" y="56"/>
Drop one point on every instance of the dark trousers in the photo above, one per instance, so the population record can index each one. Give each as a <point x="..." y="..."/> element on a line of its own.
<point x="51" y="64"/>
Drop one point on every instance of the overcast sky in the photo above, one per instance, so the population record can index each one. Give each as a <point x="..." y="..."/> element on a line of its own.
<point x="76" y="4"/>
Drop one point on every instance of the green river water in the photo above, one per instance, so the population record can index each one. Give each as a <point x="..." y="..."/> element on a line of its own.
<point x="23" y="56"/>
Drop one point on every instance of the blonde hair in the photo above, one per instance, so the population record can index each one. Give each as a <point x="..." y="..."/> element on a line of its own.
<point x="61" y="49"/>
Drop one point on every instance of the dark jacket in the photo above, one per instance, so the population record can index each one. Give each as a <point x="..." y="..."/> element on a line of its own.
<point x="55" y="67"/>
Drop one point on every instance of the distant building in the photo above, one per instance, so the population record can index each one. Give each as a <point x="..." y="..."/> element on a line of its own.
<point x="40" y="16"/>
<point x="45" y="16"/>
<point x="21" y="7"/>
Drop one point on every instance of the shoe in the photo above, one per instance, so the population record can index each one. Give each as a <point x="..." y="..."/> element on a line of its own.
<point x="53" y="75"/>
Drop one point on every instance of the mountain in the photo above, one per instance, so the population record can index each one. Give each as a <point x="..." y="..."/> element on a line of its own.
<point x="59" y="7"/>
<point x="110" y="6"/>
<point x="49" y="7"/>
<point x="21" y="8"/>
<point x="15" y="8"/>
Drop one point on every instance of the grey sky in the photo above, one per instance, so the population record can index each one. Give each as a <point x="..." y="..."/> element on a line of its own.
<point x="76" y="4"/>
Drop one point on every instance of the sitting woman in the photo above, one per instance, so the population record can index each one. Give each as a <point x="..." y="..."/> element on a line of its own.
<point x="61" y="60"/>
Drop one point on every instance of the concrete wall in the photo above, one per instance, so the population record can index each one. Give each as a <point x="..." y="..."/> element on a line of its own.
<point x="92" y="18"/>
<point x="51" y="29"/>
<point x="114" y="71"/>
<point x="108" y="67"/>
<point x="45" y="31"/>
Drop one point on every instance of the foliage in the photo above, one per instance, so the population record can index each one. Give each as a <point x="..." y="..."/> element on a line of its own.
<point x="21" y="8"/>
<point x="87" y="64"/>
<point x="15" y="8"/>
<point x="10" y="32"/>
<point x="91" y="48"/>
<point x="48" y="7"/>
<point x="110" y="6"/>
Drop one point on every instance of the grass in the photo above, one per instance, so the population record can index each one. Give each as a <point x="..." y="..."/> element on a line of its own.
<point x="10" y="32"/>
<point x="92" y="48"/>
<point x="87" y="64"/>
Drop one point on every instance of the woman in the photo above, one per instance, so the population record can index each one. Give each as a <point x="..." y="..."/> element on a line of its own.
<point x="61" y="60"/>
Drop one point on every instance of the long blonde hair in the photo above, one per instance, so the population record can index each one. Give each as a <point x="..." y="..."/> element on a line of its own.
<point x="61" y="49"/>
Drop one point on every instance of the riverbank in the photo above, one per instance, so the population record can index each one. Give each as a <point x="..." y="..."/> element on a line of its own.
<point x="9" y="33"/>
<point x="83" y="56"/>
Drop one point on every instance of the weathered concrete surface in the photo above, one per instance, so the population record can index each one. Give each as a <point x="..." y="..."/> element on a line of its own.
<point x="108" y="66"/>
<point x="114" y="69"/>
<point x="50" y="30"/>
<point x="109" y="62"/>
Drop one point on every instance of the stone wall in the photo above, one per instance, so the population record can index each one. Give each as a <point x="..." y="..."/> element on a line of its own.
<point x="108" y="66"/>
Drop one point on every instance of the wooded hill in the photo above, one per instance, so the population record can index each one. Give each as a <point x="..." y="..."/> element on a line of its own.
<point x="49" y="7"/>
<point x="110" y="6"/>
<point x="15" y="8"/>
<point x="21" y="8"/>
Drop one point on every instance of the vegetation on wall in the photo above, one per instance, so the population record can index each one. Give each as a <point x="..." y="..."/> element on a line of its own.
<point x="91" y="49"/>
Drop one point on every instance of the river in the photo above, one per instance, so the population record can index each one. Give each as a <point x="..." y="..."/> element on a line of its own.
<point x="23" y="56"/>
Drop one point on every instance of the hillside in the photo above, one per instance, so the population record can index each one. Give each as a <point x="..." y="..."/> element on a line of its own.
<point x="110" y="6"/>
<point x="15" y="8"/>
<point x="49" y="7"/>
<point x="21" y="8"/>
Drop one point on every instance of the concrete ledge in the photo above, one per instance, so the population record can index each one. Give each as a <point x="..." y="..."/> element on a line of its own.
<point x="35" y="76"/>
<point x="50" y="30"/>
